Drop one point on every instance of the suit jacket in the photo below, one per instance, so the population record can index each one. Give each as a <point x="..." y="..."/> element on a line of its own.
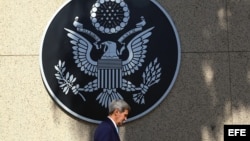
<point x="106" y="131"/>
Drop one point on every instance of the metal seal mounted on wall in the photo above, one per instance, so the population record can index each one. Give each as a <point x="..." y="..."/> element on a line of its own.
<point x="96" y="51"/>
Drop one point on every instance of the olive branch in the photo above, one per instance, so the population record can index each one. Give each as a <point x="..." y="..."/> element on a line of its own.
<point x="66" y="82"/>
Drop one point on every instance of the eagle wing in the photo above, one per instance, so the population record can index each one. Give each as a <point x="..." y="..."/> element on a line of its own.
<point x="137" y="50"/>
<point x="81" y="50"/>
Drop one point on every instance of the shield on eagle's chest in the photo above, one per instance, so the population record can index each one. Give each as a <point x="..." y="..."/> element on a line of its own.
<point x="109" y="74"/>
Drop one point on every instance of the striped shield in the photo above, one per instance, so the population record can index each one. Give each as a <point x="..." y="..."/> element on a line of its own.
<point x="109" y="73"/>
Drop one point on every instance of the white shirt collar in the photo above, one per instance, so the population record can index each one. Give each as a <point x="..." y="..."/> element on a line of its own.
<point x="113" y="123"/>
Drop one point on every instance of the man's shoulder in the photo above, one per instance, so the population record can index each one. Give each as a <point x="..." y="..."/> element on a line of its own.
<point x="106" y="122"/>
<point x="105" y="126"/>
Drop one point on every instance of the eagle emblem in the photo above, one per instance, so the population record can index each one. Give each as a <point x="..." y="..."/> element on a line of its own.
<point x="109" y="71"/>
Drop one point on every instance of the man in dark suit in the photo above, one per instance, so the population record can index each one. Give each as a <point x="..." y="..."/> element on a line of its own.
<point x="108" y="129"/>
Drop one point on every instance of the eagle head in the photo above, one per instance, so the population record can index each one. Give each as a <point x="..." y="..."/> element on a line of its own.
<point x="109" y="49"/>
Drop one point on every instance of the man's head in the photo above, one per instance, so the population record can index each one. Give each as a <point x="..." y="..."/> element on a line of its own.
<point x="118" y="111"/>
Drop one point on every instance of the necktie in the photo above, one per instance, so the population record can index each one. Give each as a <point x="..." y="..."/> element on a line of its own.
<point x="117" y="129"/>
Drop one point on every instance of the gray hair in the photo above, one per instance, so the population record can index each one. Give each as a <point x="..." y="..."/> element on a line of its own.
<point x="121" y="105"/>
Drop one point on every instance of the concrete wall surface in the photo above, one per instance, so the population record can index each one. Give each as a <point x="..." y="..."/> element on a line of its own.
<point x="212" y="88"/>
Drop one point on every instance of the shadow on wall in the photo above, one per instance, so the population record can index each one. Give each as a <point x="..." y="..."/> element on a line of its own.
<point x="206" y="94"/>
